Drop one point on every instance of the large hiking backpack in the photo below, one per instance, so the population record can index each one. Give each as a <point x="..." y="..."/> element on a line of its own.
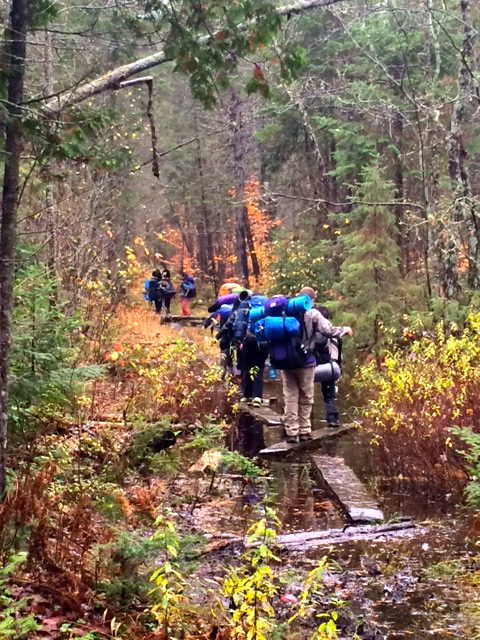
<point x="283" y="335"/>
<point x="145" y="290"/>
<point x="153" y="289"/>
<point x="322" y="349"/>
<point x="189" y="286"/>
<point x="288" y="354"/>
<point x="323" y="353"/>
<point x="168" y="289"/>
<point x="241" y="322"/>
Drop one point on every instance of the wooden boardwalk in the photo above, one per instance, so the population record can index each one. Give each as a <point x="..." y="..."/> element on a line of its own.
<point x="318" y="436"/>
<point x="346" y="489"/>
<point x="193" y="321"/>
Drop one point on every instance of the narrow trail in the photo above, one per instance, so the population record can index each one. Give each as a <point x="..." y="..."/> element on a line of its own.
<point x="392" y="587"/>
<point x="138" y="326"/>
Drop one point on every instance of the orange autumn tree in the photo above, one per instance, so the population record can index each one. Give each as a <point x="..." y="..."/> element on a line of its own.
<point x="260" y="224"/>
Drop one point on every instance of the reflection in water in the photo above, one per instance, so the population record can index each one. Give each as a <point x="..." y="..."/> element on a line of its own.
<point x="300" y="505"/>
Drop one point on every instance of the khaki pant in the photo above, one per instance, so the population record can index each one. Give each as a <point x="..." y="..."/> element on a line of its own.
<point x="298" y="394"/>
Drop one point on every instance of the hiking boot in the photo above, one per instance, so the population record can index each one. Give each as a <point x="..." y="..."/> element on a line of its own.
<point x="305" y="437"/>
<point x="291" y="439"/>
<point x="333" y="425"/>
<point x="257" y="402"/>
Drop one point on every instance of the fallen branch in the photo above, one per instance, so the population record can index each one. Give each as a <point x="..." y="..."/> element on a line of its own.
<point x="111" y="80"/>
<point x="308" y="539"/>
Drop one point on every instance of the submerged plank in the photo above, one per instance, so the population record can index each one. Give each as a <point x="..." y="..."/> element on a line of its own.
<point x="305" y="540"/>
<point x="347" y="489"/>
<point x="315" y="538"/>
<point x="317" y="436"/>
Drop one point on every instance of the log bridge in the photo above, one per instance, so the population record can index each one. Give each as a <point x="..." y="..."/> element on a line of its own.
<point x="192" y="321"/>
<point x="259" y="432"/>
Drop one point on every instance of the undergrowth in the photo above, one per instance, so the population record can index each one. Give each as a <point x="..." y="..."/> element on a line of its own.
<point x="423" y="411"/>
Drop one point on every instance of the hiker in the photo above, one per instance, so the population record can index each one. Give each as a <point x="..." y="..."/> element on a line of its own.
<point x="252" y="358"/>
<point x="188" y="291"/>
<point x="251" y="354"/>
<point x="328" y="356"/>
<point x="153" y="289"/>
<point x="298" y="384"/>
<point x="229" y="358"/>
<point x="167" y="290"/>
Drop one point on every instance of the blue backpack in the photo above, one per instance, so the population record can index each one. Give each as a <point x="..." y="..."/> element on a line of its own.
<point x="283" y="335"/>
<point x="145" y="290"/>
<point x="189" y="287"/>
<point x="242" y="321"/>
<point x="153" y="289"/>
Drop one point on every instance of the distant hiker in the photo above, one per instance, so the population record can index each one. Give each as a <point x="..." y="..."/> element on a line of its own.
<point x="167" y="290"/>
<point x="328" y="356"/>
<point x="153" y="288"/>
<point x="298" y="383"/>
<point x="188" y="291"/>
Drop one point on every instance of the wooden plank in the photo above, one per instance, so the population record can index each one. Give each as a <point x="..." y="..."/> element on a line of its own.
<point x="262" y="414"/>
<point x="194" y="321"/>
<point x="347" y="489"/>
<point x="317" y="436"/>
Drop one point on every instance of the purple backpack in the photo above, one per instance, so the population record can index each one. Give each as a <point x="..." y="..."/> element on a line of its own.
<point x="276" y="306"/>
<point x="289" y="354"/>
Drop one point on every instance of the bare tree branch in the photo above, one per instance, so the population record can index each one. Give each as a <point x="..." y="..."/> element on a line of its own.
<point x="288" y="196"/>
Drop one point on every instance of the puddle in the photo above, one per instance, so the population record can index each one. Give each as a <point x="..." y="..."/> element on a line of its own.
<point x="419" y="588"/>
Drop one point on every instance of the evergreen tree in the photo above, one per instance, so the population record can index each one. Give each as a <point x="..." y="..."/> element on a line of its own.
<point x="370" y="275"/>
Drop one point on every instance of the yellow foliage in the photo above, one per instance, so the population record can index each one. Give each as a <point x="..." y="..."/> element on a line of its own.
<point x="416" y="399"/>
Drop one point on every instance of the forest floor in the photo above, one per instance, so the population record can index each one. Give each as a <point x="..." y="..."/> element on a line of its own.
<point x="110" y="492"/>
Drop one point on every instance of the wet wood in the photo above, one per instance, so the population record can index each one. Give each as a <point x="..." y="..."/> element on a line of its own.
<point x="262" y="414"/>
<point x="337" y="536"/>
<point x="308" y="539"/>
<point x="346" y="489"/>
<point x="193" y="321"/>
<point x="317" y="436"/>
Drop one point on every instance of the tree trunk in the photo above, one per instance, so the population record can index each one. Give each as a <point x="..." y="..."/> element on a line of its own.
<point x="239" y="153"/>
<point x="464" y="214"/>
<point x="207" y="264"/>
<point x="16" y="53"/>
<point x="51" y="209"/>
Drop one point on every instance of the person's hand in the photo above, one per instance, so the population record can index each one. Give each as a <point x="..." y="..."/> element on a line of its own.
<point x="347" y="331"/>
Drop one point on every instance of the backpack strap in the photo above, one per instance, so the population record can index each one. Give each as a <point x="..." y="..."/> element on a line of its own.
<point x="339" y="347"/>
<point x="303" y="328"/>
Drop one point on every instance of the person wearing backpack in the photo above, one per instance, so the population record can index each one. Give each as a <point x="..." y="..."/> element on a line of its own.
<point x="251" y="355"/>
<point x="153" y="288"/>
<point x="229" y="358"/>
<point x="329" y="351"/>
<point x="298" y="382"/>
<point x="167" y="290"/>
<point x="188" y="291"/>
